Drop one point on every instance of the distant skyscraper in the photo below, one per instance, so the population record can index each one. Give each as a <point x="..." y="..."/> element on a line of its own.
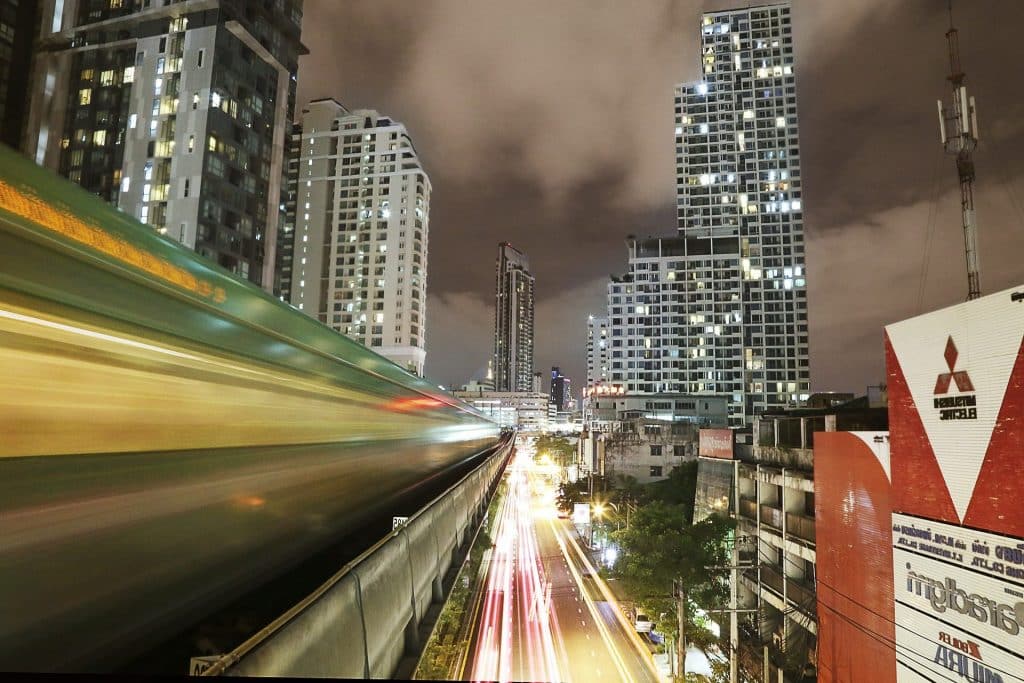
<point x="598" y="351"/>
<point x="561" y="390"/>
<point x="176" y="112"/>
<point x="357" y="230"/>
<point x="722" y="308"/>
<point x="513" y="321"/>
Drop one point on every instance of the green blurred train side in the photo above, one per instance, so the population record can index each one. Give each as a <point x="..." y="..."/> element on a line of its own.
<point x="49" y="266"/>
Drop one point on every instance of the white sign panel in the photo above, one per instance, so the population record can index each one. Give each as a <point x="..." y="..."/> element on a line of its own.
<point x="398" y="521"/>
<point x="931" y="650"/>
<point x="959" y="603"/>
<point x="989" y="554"/>
<point x="581" y="513"/>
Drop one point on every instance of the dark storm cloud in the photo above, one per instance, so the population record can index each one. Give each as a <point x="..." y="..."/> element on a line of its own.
<point x="550" y="125"/>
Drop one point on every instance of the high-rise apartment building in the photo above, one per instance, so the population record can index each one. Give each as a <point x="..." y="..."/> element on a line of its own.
<point x="598" y="351"/>
<point x="740" y="208"/>
<point x="358" y="219"/>
<point x="561" y="390"/>
<point x="176" y="112"/>
<point x="722" y="307"/>
<point x="513" y="321"/>
<point x="18" y="32"/>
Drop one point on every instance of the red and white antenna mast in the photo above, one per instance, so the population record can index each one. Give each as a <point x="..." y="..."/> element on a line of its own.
<point x="958" y="126"/>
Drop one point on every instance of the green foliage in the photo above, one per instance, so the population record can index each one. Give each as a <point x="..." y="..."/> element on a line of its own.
<point x="679" y="489"/>
<point x="570" y="493"/>
<point x="561" y="450"/>
<point x="660" y="546"/>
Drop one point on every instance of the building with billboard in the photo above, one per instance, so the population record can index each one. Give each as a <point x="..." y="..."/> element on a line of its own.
<point x="645" y="436"/>
<point x="764" y="478"/>
<point x="921" y="529"/>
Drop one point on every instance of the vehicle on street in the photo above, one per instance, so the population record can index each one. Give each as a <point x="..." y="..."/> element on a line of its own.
<point x="643" y="623"/>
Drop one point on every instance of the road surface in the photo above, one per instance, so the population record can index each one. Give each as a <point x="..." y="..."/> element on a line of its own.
<point x="545" y="615"/>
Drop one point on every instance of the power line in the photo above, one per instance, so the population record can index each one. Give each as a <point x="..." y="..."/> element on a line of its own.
<point x="878" y="636"/>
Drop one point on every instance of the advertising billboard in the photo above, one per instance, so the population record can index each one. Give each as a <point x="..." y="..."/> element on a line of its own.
<point x="956" y="401"/>
<point x="715" y="443"/>
<point x="853" y="525"/>
<point x="956" y="397"/>
<point x="920" y="531"/>
<point x="956" y="609"/>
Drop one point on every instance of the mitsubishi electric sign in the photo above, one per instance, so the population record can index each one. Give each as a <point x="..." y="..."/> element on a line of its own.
<point x="956" y="414"/>
<point x="956" y="419"/>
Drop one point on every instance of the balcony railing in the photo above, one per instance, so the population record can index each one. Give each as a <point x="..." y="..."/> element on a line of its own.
<point x="772" y="578"/>
<point x="801" y="526"/>
<point x="801" y="594"/>
<point x="748" y="508"/>
<point x="771" y="516"/>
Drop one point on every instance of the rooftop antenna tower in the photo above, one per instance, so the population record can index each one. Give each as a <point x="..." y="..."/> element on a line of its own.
<point x="958" y="127"/>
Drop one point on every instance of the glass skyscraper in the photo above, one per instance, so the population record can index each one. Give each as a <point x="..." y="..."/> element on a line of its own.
<point x="513" y="321"/>
<point x="176" y="112"/>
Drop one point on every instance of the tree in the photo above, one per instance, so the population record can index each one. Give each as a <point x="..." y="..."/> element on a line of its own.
<point x="561" y="450"/>
<point x="570" y="493"/>
<point x="660" y="546"/>
<point x="679" y="489"/>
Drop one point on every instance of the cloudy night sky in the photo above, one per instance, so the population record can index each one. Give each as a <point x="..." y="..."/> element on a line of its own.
<point x="550" y="125"/>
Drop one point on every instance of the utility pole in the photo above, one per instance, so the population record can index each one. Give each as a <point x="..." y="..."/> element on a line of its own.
<point x="961" y="141"/>
<point x="681" y="614"/>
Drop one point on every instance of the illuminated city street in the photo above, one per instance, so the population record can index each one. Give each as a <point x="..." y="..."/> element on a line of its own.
<point x="655" y="342"/>
<point x="546" y="615"/>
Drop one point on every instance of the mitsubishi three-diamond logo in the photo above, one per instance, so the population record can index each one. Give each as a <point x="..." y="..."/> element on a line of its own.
<point x="964" y="405"/>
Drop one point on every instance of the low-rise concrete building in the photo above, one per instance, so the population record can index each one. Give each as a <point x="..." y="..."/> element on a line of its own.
<point x="774" y="503"/>
<point x="525" y="410"/>
<point x="646" y="436"/>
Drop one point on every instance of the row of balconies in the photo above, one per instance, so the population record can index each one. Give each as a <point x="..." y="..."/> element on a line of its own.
<point x="800" y="526"/>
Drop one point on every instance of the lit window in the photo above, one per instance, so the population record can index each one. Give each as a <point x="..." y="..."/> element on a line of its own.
<point x="191" y="143"/>
<point x="780" y="121"/>
<point x="215" y="100"/>
<point x="85" y="96"/>
<point x="132" y="120"/>
<point x="126" y="183"/>
<point x="99" y="137"/>
<point x="213" y="143"/>
<point x="702" y="88"/>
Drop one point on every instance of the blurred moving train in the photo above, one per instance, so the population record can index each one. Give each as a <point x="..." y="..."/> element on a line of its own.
<point x="169" y="434"/>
